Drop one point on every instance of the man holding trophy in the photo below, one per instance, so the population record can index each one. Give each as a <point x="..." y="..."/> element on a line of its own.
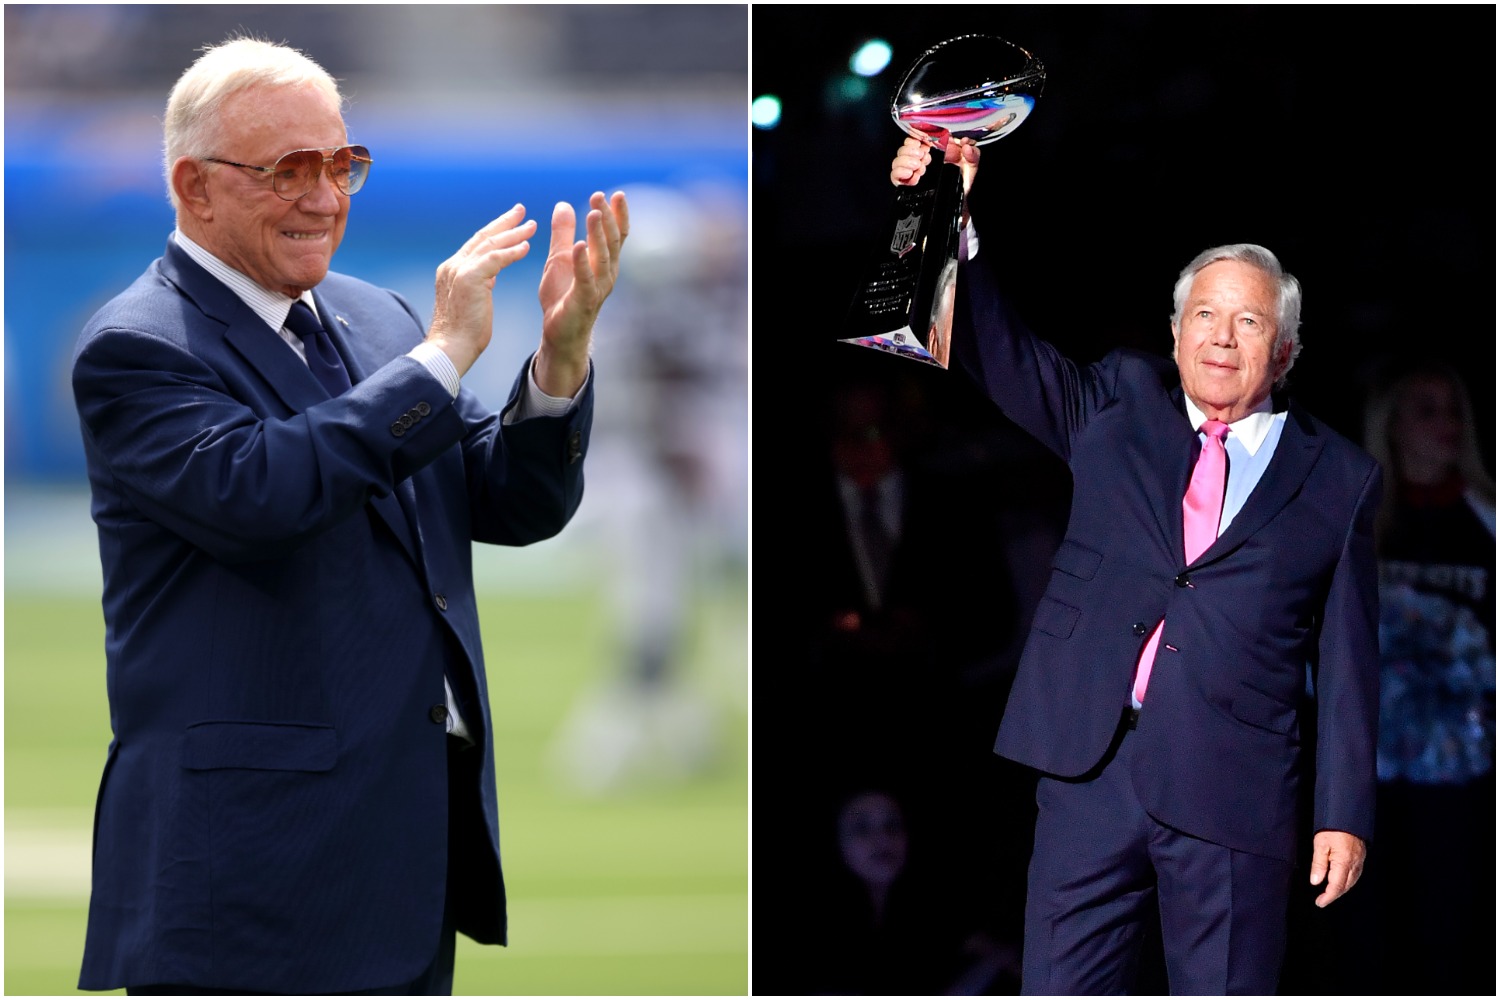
<point x="1218" y="568"/>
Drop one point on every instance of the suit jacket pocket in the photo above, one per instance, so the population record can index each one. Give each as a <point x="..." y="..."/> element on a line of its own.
<point x="1258" y="709"/>
<point x="262" y="746"/>
<point x="1055" y="618"/>
<point x="1077" y="560"/>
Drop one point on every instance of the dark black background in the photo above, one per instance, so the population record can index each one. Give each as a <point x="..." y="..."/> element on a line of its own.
<point x="1355" y="142"/>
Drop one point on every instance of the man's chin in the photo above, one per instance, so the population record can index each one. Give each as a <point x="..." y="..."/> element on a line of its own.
<point x="306" y="279"/>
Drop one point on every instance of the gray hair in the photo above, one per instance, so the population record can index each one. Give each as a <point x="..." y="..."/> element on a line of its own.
<point x="1288" y="300"/>
<point x="193" y="126"/>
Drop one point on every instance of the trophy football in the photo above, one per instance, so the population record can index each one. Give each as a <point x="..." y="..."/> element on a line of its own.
<point x="975" y="87"/>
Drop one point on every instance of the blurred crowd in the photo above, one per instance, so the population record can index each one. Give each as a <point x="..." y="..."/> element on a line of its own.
<point x="672" y="459"/>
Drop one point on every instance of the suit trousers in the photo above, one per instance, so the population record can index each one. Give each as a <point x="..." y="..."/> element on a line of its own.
<point x="437" y="978"/>
<point x="1102" y="867"/>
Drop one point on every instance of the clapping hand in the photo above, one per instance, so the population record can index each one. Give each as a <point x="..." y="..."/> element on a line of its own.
<point x="577" y="278"/>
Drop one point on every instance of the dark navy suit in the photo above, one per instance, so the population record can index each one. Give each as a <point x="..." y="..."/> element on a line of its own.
<point x="1216" y="755"/>
<point x="287" y="579"/>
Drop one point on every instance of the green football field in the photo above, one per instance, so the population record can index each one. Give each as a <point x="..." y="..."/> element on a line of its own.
<point x="637" y="890"/>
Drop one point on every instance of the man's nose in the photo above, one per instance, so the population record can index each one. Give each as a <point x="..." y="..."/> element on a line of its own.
<point x="1223" y="333"/>
<point x="323" y="199"/>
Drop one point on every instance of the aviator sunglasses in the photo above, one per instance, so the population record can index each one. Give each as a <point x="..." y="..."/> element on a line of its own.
<point x="296" y="173"/>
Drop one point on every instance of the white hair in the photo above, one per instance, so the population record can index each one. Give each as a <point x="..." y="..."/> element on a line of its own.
<point x="1288" y="294"/>
<point x="192" y="125"/>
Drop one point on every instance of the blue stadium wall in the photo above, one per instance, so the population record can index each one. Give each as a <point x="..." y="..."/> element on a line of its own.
<point x="86" y="212"/>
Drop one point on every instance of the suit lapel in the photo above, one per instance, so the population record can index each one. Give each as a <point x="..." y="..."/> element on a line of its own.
<point x="245" y="332"/>
<point x="398" y="509"/>
<point x="274" y="360"/>
<point x="1296" y="454"/>
<point x="288" y="376"/>
<point x="1181" y="452"/>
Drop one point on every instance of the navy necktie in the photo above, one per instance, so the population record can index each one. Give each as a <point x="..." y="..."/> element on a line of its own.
<point x="322" y="359"/>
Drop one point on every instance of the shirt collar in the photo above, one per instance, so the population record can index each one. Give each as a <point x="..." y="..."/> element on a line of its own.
<point x="1250" y="430"/>
<point x="268" y="305"/>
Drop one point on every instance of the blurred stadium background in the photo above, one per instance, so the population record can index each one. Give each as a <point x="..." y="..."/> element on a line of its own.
<point x="618" y="651"/>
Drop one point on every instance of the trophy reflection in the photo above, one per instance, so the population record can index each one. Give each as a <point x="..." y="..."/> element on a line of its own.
<point x="978" y="88"/>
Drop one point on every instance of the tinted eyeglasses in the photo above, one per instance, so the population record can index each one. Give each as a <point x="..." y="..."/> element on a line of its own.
<point x="296" y="173"/>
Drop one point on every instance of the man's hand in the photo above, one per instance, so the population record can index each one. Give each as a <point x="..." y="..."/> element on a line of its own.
<point x="576" y="279"/>
<point x="914" y="155"/>
<point x="910" y="163"/>
<point x="1340" y="857"/>
<point x="463" y="316"/>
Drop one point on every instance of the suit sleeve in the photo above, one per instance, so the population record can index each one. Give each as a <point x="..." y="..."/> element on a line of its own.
<point x="525" y="478"/>
<point x="1048" y="395"/>
<point x="194" y="458"/>
<point x="179" y="443"/>
<point x="1347" y="679"/>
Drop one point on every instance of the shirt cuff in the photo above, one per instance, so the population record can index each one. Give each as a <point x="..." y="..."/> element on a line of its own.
<point x="533" y="402"/>
<point x="438" y="364"/>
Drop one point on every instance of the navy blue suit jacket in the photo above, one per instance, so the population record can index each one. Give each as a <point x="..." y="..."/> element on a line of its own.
<point x="1290" y="584"/>
<point x="287" y="577"/>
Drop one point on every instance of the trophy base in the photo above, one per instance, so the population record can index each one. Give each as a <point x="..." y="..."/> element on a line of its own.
<point x="903" y="342"/>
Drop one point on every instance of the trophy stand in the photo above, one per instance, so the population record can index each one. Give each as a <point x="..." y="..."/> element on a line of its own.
<point x="906" y="305"/>
<point x="978" y="88"/>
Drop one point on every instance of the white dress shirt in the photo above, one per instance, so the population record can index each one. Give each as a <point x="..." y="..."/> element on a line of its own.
<point x="1251" y="442"/>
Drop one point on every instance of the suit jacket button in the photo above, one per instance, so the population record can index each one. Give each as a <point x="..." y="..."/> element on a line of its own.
<point x="423" y="409"/>
<point x="441" y="601"/>
<point x="1183" y="580"/>
<point x="1139" y="628"/>
<point x="397" y="429"/>
<point x="438" y="714"/>
<point x="575" y="447"/>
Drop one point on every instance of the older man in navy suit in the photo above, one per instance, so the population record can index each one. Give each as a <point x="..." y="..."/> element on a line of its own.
<point x="1218" y="557"/>
<point x="287" y="477"/>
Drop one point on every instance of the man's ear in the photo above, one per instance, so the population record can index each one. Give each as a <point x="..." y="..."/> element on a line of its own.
<point x="190" y="184"/>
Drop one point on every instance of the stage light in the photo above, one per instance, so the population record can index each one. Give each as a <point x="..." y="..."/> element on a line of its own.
<point x="872" y="57"/>
<point x="765" y="112"/>
<point x="845" y="91"/>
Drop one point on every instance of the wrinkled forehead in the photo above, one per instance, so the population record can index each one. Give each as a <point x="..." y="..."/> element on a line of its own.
<point x="266" y="121"/>
<point x="1234" y="281"/>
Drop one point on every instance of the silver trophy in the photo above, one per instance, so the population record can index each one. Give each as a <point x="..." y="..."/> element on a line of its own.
<point x="976" y="87"/>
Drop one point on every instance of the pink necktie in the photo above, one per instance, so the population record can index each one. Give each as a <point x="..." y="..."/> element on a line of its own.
<point x="1202" y="506"/>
